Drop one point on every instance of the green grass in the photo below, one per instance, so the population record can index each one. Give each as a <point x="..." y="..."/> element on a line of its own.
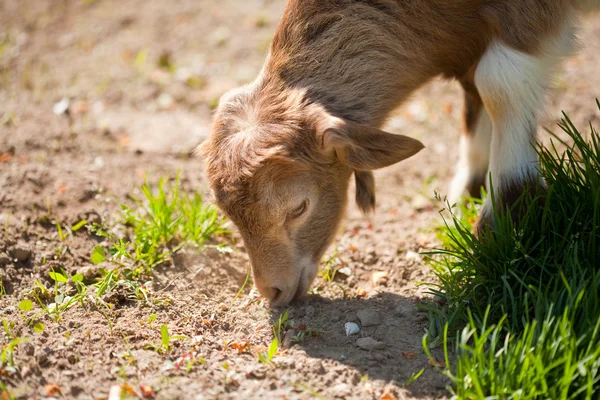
<point x="152" y="229"/>
<point x="160" y="223"/>
<point x="165" y="220"/>
<point x="524" y="301"/>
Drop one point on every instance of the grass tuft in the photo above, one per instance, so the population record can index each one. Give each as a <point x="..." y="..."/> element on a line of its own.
<point x="161" y="222"/>
<point x="527" y="297"/>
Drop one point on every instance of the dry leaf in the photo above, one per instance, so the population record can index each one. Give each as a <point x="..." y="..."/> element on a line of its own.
<point x="386" y="396"/>
<point x="123" y="139"/>
<point x="434" y="362"/>
<point x="241" y="346"/>
<point x="52" y="390"/>
<point x="146" y="390"/>
<point x="80" y="107"/>
<point x="128" y="389"/>
<point x="410" y="356"/>
<point x="5" y="157"/>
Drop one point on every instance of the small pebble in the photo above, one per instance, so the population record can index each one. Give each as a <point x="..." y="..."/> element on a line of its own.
<point x="42" y="359"/>
<point x="309" y="311"/>
<point x="369" y="344"/>
<point x="21" y="254"/>
<point x="351" y="328"/>
<point x="29" y="349"/>
<point x="288" y="339"/>
<point x="114" y="393"/>
<point x="62" y="107"/>
<point x="368" y="317"/>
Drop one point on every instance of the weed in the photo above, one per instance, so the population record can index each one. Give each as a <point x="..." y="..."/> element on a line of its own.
<point x="78" y="225"/>
<point x="238" y="294"/>
<point x="304" y="333"/>
<point x="330" y="267"/>
<point x="59" y="230"/>
<point x="267" y="357"/>
<point x="414" y="377"/>
<point x="98" y="255"/>
<point x="328" y="271"/>
<point x="6" y="222"/>
<point x="7" y="361"/>
<point x="151" y="319"/>
<point x="166" y="339"/>
<point x="162" y="222"/>
<point x="521" y="299"/>
<point x="281" y="326"/>
<point x="24" y="306"/>
<point x="63" y="300"/>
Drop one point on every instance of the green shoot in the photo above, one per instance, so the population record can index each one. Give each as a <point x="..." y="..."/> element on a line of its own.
<point x="267" y="357"/>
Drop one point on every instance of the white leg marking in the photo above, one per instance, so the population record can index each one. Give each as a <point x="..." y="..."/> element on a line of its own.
<point x="474" y="156"/>
<point x="512" y="86"/>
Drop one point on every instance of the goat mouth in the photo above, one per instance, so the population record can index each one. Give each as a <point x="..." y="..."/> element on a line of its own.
<point x="304" y="283"/>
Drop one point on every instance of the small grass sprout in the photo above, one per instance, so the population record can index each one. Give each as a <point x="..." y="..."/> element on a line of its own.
<point x="166" y="339"/>
<point x="267" y="357"/>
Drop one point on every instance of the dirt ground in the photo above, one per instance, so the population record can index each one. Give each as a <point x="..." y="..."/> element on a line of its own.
<point x="142" y="78"/>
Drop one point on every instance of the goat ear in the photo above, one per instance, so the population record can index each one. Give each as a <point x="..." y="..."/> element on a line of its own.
<point x="364" y="148"/>
<point x="365" y="191"/>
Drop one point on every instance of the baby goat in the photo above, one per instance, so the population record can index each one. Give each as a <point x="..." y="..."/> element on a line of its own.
<point x="282" y="149"/>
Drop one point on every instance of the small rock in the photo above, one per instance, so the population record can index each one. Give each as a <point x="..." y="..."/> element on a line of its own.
<point x="29" y="349"/>
<point x="411" y="255"/>
<point x="166" y="101"/>
<point x="62" y="107"/>
<point x="369" y="344"/>
<point x="288" y="339"/>
<point x="335" y="316"/>
<point x="420" y="202"/>
<point x="21" y="254"/>
<point x="309" y="311"/>
<point x="345" y="270"/>
<point x="319" y="368"/>
<point x="89" y="272"/>
<point x="42" y="359"/>
<point x="368" y="317"/>
<point x="400" y="311"/>
<point x="4" y="260"/>
<point x="342" y="390"/>
<point x="25" y="371"/>
<point x="351" y="328"/>
<point x="256" y="372"/>
<point x="114" y="393"/>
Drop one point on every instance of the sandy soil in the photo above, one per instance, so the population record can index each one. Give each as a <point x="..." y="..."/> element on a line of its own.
<point x="130" y="118"/>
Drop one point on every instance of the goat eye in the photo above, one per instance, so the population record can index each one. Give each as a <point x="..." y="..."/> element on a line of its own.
<point x="299" y="210"/>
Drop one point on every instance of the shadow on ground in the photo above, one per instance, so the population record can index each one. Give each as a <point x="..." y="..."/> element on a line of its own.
<point x="387" y="347"/>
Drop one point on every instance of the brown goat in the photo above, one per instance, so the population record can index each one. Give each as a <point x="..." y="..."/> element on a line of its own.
<point x="282" y="149"/>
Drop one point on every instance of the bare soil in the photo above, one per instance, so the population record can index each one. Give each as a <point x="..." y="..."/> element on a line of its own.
<point x="130" y="118"/>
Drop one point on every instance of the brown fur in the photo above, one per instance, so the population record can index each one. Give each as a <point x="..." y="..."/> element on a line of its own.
<point x="336" y="69"/>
